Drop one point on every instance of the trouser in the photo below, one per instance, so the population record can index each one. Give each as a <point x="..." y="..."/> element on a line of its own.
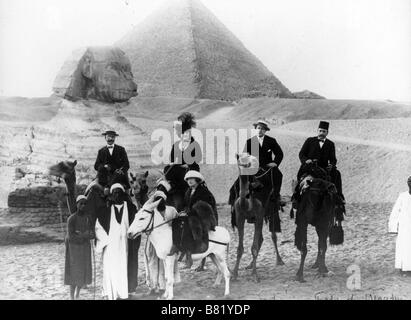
<point x="336" y="179"/>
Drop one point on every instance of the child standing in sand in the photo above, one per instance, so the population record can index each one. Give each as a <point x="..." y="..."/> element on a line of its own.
<point x="78" y="269"/>
<point x="400" y="223"/>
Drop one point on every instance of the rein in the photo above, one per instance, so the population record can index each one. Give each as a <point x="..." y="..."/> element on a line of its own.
<point x="266" y="172"/>
<point x="218" y="242"/>
<point x="150" y="227"/>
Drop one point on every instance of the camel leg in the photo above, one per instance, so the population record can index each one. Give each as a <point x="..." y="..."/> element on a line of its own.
<point x="258" y="229"/>
<point x="317" y="261"/>
<point x="280" y="261"/>
<point x="240" y="249"/>
<point x="322" y="244"/>
<point x="260" y="243"/>
<point x="303" y="250"/>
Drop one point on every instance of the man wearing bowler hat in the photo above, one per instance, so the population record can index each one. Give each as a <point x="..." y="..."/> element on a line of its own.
<point x="321" y="150"/>
<point x="113" y="158"/>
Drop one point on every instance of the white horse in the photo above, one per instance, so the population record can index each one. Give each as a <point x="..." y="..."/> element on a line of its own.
<point x="159" y="230"/>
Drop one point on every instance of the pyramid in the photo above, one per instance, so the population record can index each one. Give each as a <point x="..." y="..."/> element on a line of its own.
<point x="183" y="50"/>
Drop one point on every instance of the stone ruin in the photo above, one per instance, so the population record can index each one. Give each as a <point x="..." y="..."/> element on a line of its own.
<point x="100" y="73"/>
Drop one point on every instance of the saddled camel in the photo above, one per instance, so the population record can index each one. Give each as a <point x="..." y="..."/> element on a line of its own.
<point x="260" y="206"/>
<point x="316" y="207"/>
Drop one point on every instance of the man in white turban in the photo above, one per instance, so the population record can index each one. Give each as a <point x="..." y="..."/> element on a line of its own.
<point x="400" y="223"/>
<point x="120" y="254"/>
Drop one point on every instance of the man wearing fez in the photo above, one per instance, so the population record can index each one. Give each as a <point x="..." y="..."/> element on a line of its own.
<point x="113" y="159"/>
<point x="119" y="254"/>
<point x="321" y="150"/>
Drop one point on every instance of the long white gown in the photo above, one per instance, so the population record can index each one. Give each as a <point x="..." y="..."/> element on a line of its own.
<point x="400" y="221"/>
<point x="114" y="248"/>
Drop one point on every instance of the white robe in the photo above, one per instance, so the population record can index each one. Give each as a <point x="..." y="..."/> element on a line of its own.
<point x="400" y="222"/>
<point x="114" y="248"/>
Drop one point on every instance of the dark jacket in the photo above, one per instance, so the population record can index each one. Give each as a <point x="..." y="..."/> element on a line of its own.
<point x="191" y="156"/>
<point x="265" y="154"/>
<point x="202" y="219"/>
<point x="118" y="160"/>
<point x="311" y="150"/>
<point x="201" y="193"/>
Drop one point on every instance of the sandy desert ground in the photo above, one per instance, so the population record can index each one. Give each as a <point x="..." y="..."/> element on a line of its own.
<point x="374" y="161"/>
<point x="35" y="271"/>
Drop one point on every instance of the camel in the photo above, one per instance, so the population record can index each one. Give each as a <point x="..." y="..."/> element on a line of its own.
<point x="97" y="195"/>
<point x="67" y="171"/>
<point x="139" y="188"/>
<point x="253" y="206"/>
<point x="316" y="207"/>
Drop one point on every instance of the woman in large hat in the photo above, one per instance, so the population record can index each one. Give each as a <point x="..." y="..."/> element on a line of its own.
<point x="185" y="155"/>
<point x="187" y="151"/>
<point x="201" y="220"/>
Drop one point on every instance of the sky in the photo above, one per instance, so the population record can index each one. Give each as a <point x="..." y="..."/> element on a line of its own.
<point x="341" y="49"/>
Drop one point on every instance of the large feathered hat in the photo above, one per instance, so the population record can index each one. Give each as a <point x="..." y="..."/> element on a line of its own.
<point x="187" y="121"/>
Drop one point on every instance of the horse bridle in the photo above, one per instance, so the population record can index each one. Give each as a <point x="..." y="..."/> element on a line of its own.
<point x="150" y="227"/>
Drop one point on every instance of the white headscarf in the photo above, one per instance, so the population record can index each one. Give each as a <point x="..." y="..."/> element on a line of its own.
<point x="81" y="197"/>
<point x="116" y="186"/>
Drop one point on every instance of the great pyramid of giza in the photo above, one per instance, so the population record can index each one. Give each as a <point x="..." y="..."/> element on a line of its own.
<point x="183" y="50"/>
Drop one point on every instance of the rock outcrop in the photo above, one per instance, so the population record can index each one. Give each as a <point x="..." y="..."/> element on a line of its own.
<point x="307" y="95"/>
<point x="101" y="73"/>
<point x="183" y="50"/>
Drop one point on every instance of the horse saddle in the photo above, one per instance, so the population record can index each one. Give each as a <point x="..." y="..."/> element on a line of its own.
<point x="189" y="235"/>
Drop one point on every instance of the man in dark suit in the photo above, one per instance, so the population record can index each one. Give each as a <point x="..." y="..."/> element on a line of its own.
<point x="113" y="158"/>
<point x="321" y="150"/>
<point x="269" y="155"/>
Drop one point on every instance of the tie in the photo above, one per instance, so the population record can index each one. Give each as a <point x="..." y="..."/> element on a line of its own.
<point x="110" y="147"/>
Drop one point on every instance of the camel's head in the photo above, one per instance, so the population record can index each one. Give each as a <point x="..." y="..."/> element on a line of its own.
<point x="139" y="182"/>
<point x="247" y="164"/>
<point x="63" y="169"/>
